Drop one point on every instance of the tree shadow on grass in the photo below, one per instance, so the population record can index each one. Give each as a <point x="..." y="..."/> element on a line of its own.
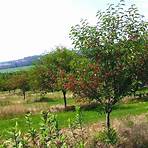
<point x="45" y="99"/>
<point x="142" y="99"/>
<point x="119" y="107"/>
<point x="99" y="107"/>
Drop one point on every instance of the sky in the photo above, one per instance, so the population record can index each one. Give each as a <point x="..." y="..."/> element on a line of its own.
<point x="32" y="27"/>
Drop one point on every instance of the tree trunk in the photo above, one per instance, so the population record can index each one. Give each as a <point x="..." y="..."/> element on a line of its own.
<point x="24" y="94"/>
<point x="64" y="97"/>
<point x="134" y="94"/>
<point x="108" y="120"/>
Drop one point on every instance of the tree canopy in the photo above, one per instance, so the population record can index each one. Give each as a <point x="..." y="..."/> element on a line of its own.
<point x="114" y="45"/>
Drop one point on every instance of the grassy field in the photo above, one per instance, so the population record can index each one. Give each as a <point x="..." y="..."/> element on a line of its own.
<point x="90" y="116"/>
<point x="15" y="69"/>
<point x="12" y="104"/>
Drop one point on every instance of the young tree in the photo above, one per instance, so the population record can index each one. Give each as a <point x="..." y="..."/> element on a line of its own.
<point x="22" y="82"/>
<point x="62" y="59"/>
<point x="111" y="45"/>
<point x="7" y="83"/>
<point x="43" y="78"/>
<point x="52" y="70"/>
<point x="2" y="82"/>
<point x="10" y="82"/>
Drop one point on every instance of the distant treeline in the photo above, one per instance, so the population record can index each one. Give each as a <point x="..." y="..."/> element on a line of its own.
<point x="19" y="63"/>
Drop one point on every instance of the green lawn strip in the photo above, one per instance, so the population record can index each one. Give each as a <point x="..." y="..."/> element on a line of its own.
<point x="90" y="116"/>
<point x="142" y="90"/>
<point x="15" y="69"/>
<point x="50" y="101"/>
<point x="60" y="101"/>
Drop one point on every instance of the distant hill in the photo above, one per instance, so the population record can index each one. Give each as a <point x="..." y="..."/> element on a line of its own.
<point x="26" y="61"/>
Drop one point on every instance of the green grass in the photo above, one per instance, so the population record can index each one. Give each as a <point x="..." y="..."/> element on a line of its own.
<point x="90" y="116"/>
<point x="55" y="98"/>
<point x="15" y="69"/>
<point x="12" y="105"/>
<point x="142" y="90"/>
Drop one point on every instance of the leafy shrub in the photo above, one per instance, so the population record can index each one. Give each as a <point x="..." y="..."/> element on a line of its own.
<point x="107" y="137"/>
<point x="48" y="134"/>
<point x="77" y="130"/>
<point x="16" y="139"/>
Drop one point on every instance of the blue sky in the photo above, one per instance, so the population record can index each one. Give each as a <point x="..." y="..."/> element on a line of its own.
<point x="29" y="27"/>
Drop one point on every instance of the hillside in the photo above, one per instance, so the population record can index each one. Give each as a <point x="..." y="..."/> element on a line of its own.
<point x="26" y="61"/>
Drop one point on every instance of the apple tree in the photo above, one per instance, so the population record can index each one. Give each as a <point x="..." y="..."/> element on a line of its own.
<point x="113" y="45"/>
<point x="53" y="70"/>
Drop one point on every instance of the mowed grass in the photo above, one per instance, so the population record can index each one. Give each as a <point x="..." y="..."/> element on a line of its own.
<point x="89" y="116"/>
